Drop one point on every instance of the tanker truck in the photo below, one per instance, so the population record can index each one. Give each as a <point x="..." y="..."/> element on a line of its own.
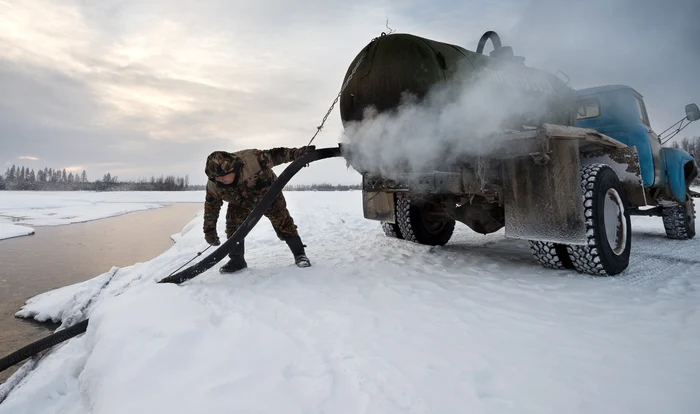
<point x="441" y="134"/>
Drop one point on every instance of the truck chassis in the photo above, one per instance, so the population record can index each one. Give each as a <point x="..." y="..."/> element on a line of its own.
<point x="569" y="191"/>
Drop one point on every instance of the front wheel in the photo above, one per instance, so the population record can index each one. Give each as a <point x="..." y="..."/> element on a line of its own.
<point x="679" y="220"/>
<point x="608" y="225"/>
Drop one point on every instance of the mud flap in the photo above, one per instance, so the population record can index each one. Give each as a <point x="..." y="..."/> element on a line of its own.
<point x="379" y="205"/>
<point x="543" y="200"/>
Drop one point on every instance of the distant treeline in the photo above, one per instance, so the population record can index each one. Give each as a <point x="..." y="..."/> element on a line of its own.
<point x="49" y="179"/>
<point x="691" y="146"/>
<point x="23" y="178"/>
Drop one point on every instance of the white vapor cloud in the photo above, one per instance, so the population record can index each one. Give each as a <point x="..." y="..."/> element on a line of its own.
<point x="465" y="116"/>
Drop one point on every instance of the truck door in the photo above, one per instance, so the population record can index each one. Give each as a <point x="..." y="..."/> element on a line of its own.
<point x="654" y="141"/>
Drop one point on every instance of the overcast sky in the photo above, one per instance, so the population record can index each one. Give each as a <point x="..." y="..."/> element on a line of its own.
<point x="140" y="88"/>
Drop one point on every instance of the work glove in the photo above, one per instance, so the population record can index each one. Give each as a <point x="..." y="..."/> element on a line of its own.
<point x="303" y="150"/>
<point x="212" y="238"/>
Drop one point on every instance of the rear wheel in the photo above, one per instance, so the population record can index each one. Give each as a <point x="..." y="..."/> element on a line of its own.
<point x="608" y="227"/>
<point x="551" y="255"/>
<point x="418" y="225"/>
<point x="679" y="220"/>
<point x="392" y="230"/>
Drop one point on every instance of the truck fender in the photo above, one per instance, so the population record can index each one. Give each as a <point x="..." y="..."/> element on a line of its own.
<point x="626" y="163"/>
<point x="681" y="169"/>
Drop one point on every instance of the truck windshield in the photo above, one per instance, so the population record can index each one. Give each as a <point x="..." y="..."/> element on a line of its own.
<point x="587" y="108"/>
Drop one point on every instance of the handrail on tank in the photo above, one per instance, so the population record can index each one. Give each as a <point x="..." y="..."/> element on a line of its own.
<point x="495" y="40"/>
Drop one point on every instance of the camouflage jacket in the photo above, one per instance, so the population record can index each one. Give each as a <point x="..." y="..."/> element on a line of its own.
<point x="254" y="175"/>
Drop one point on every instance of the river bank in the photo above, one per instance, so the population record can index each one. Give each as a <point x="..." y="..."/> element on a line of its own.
<point x="57" y="256"/>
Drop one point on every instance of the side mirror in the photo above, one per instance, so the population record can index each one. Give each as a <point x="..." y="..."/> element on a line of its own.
<point x="692" y="112"/>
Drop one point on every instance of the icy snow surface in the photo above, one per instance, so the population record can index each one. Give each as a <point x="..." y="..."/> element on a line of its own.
<point x="377" y="325"/>
<point x="8" y="231"/>
<point x="53" y="208"/>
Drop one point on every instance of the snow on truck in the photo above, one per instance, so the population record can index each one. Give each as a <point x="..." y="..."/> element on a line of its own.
<point x="562" y="168"/>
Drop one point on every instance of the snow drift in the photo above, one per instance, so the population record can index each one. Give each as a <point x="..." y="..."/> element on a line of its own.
<point x="8" y="231"/>
<point x="377" y="325"/>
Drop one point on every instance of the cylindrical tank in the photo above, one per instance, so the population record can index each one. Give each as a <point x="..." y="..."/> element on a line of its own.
<point x="399" y="63"/>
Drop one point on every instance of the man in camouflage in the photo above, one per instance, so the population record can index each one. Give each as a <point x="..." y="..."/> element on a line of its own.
<point x="241" y="179"/>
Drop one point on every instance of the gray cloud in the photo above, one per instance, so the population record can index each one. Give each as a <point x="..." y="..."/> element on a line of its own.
<point x="141" y="88"/>
<point x="650" y="45"/>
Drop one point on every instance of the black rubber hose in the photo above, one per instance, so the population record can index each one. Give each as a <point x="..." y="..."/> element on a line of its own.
<point x="194" y="270"/>
<point x="252" y="219"/>
<point x="42" y="344"/>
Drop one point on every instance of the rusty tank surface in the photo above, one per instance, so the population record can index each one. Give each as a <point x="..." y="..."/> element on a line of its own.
<point x="398" y="64"/>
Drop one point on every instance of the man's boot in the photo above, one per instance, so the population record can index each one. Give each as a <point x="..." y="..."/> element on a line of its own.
<point x="297" y="248"/>
<point x="237" y="261"/>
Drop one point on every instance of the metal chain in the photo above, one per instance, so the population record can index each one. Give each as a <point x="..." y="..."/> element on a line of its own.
<point x="481" y="172"/>
<point x="198" y="254"/>
<point x="347" y="81"/>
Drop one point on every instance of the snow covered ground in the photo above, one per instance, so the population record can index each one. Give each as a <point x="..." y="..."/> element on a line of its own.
<point x="20" y="209"/>
<point x="377" y="325"/>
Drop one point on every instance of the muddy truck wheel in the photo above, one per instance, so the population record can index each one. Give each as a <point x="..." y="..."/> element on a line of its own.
<point x="608" y="226"/>
<point x="417" y="225"/>
<point x="551" y="255"/>
<point x="392" y="230"/>
<point x="679" y="220"/>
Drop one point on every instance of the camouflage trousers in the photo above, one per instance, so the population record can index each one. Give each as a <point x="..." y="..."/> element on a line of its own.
<point x="282" y="222"/>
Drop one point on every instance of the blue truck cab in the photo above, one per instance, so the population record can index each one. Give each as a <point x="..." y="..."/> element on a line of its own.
<point x="618" y="111"/>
